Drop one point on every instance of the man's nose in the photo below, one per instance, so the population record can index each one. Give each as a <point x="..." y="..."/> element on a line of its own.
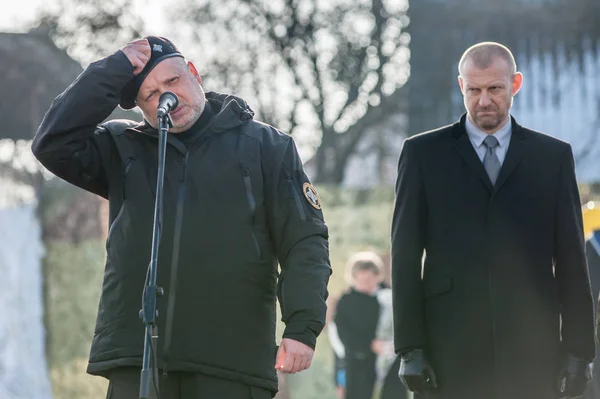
<point x="484" y="99"/>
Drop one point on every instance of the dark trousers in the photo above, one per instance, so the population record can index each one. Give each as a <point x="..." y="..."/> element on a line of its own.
<point x="360" y="375"/>
<point x="393" y="388"/>
<point x="124" y="383"/>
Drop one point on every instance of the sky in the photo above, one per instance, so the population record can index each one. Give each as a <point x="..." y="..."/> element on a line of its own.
<point x="16" y="15"/>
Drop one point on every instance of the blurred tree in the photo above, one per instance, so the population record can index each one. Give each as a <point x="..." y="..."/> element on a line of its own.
<point x="89" y="29"/>
<point x="313" y="67"/>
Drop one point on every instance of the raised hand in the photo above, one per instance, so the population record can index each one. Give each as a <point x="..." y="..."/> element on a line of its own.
<point x="138" y="53"/>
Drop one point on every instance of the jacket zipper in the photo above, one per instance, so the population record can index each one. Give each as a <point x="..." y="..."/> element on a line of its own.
<point x="296" y="198"/>
<point x="114" y="223"/>
<point x="124" y="177"/>
<point x="180" y="202"/>
<point x="120" y="213"/>
<point x="174" y="265"/>
<point x="252" y="204"/>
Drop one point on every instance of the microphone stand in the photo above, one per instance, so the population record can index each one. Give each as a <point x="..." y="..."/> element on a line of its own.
<point x="149" y="313"/>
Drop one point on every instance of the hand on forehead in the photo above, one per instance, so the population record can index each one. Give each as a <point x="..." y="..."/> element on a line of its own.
<point x="160" y="49"/>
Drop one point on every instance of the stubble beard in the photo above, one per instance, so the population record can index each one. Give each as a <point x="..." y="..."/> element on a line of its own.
<point x="489" y="122"/>
<point x="188" y="120"/>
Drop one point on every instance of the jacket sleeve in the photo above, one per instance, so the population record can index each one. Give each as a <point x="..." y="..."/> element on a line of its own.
<point x="68" y="142"/>
<point x="408" y="242"/>
<point x="571" y="268"/>
<point x="300" y="239"/>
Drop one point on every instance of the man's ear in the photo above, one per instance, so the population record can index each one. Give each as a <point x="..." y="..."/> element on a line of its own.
<point x="461" y="84"/>
<point x="517" y="83"/>
<point x="194" y="72"/>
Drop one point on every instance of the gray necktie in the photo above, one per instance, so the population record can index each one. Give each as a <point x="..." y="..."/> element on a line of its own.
<point x="490" y="160"/>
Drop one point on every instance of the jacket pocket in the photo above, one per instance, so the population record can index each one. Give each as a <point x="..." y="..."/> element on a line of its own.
<point x="281" y="295"/>
<point x="252" y="205"/>
<point x="294" y="193"/>
<point x="124" y="182"/>
<point x="437" y="286"/>
<point x="126" y="168"/>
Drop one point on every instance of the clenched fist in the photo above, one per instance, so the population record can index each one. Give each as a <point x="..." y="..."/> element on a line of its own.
<point x="293" y="356"/>
<point x="416" y="373"/>
<point x="138" y="53"/>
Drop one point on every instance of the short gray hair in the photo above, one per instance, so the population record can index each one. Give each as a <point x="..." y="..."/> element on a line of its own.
<point x="483" y="54"/>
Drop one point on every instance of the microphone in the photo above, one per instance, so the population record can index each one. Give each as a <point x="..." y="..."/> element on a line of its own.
<point x="166" y="103"/>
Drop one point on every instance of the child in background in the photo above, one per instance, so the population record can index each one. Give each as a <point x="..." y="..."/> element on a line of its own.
<point x="356" y="318"/>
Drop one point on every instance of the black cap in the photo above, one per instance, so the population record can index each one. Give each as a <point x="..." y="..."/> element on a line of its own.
<point x="160" y="49"/>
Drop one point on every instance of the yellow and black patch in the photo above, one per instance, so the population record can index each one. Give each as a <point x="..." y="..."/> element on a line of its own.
<point x="311" y="195"/>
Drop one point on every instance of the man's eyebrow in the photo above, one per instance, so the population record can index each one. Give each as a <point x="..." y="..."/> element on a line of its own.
<point x="148" y="93"/>
<point x="174" y="76"/>
<point x="497" y="83"/>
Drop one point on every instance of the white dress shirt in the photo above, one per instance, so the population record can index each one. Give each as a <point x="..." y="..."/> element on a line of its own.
<point x="476" y="136"/>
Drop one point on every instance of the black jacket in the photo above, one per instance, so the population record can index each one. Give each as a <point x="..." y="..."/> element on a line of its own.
<point x="241" y="189"/>
<point x="504" y="287"/>
<point x="592" y="251"/>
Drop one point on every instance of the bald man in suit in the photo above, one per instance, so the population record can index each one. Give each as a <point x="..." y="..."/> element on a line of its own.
<point x="501" y="305"/>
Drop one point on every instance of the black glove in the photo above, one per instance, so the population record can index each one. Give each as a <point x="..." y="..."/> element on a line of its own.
<point x="573" y="377"/>
<point x="416" y="373"/>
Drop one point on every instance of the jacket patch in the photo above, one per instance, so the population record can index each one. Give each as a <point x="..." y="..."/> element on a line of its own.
<point x="311" y="195"/>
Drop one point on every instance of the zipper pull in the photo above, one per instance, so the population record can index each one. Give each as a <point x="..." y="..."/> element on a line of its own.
<point x="184" y="166"/>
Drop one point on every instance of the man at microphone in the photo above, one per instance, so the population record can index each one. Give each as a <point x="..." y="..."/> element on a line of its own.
<point x="237" y="204"/>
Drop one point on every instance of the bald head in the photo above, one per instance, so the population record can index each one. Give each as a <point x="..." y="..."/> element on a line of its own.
<point x="482" y="55"/>
<point x="488" y="80"/>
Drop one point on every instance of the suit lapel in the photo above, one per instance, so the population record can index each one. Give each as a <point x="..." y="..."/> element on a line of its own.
<point x="467" y="152"/>
<point x="516" y="150"/>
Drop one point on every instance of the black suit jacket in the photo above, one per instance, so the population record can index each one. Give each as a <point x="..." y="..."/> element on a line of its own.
<point x="592" y="249"/>
<point x="503" y="264"/>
